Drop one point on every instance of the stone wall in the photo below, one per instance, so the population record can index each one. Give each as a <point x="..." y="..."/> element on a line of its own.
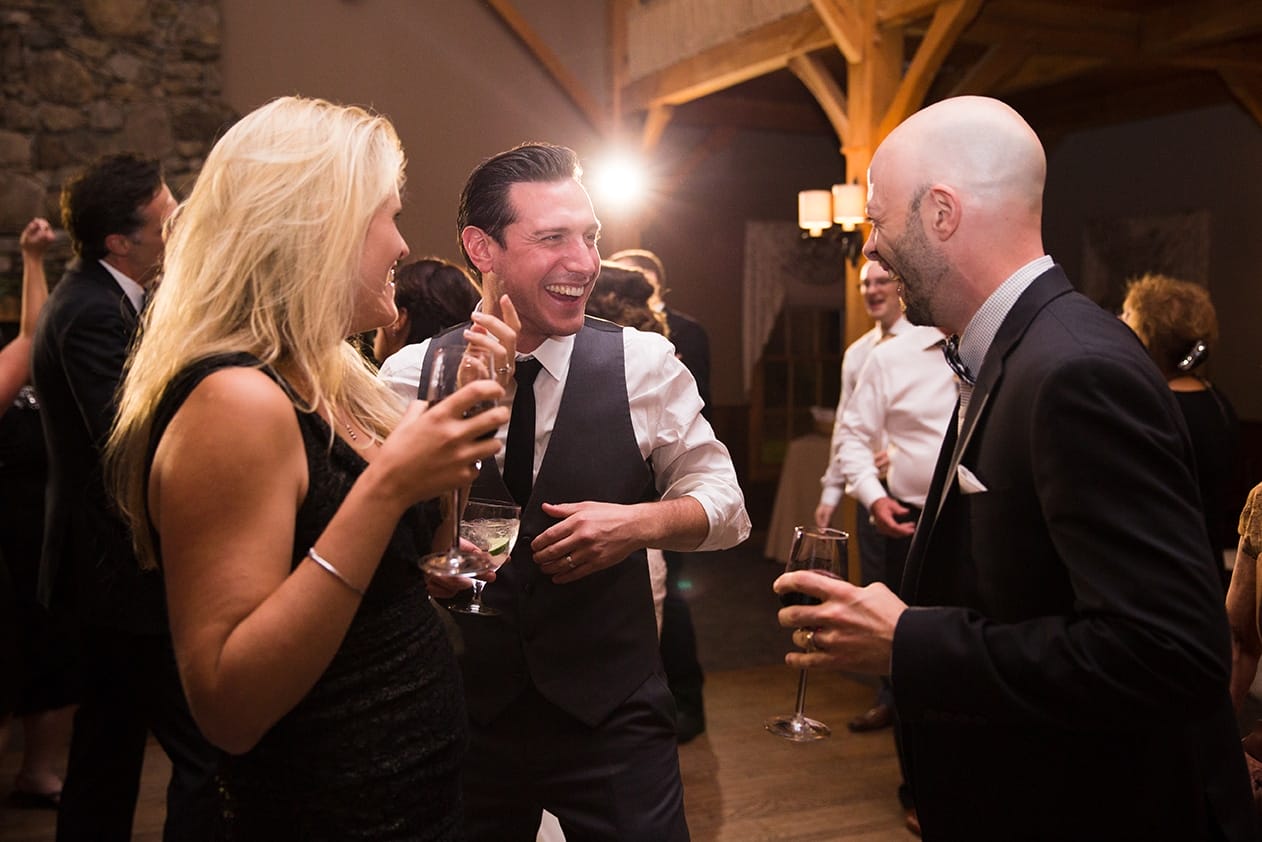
<point x="82" y="78"/>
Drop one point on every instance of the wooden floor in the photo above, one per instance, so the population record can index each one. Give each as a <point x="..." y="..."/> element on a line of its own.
<point x="741" y="784"/>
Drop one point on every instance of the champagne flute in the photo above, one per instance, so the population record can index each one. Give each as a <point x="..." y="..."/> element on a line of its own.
<point x="491" y="526"/>
<point x="821" y="551"/>
<point x="452" y="367"/>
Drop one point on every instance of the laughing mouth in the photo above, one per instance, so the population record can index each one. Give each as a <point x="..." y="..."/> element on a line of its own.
<point x="567" y="290"/>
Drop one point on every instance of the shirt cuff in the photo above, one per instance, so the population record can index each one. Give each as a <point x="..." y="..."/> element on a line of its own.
<point x="869" y="491"/>
<point x="830" y="496"/>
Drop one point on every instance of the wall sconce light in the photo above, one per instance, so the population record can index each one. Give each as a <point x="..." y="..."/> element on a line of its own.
<point x="844" y="204"/>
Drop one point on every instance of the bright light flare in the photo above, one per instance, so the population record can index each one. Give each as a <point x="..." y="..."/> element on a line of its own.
<point x="619" y="182"/>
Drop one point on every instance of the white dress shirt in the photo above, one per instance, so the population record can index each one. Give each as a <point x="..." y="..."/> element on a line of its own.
<point x="851" y="364"/>
<point x="686" y="458"/>
<point x="135" y="292"/>
<point x="905" y="394"/>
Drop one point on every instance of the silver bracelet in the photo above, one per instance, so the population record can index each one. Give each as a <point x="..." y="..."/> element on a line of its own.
<point x="333" y="571"/>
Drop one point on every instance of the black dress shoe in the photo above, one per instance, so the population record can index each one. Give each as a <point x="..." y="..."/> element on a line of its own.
<point x="873" y="719"/>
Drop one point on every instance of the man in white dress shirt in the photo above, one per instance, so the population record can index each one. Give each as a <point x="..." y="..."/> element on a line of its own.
<point x="570" y="708"/>
<point x="904" y="398"/>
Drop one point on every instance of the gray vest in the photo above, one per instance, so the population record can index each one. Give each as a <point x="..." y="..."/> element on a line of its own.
<point x="588" y="645"/>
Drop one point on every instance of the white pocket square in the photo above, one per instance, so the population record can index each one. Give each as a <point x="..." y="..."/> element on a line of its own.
<point x="969" y="484"/>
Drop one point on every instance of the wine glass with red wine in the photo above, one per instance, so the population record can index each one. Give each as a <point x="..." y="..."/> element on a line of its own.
<point x="821" y="551"/>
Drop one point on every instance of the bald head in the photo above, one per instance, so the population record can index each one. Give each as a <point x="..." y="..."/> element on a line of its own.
<point x="956" y="196"/>
<point x="975" y="144"/>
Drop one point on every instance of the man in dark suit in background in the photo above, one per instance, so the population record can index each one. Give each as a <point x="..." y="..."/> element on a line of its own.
<point x="679" y="639"/>
<point x="114" y="212"/>
<point x="1060" y="654"/>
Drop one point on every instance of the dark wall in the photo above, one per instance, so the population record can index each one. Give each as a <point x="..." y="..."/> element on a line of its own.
<point x="1210" y="160"/>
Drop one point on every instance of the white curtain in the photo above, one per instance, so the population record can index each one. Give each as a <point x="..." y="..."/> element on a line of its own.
<point x="783" y="270"/>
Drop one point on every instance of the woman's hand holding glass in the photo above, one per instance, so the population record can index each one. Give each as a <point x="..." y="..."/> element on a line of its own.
<point x="489" y="356"/>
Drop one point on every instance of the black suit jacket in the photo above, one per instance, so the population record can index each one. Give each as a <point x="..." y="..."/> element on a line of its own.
<point x="1062" y="673"/>
<point x="693" y="346"/>
<point x="88" y="565"/>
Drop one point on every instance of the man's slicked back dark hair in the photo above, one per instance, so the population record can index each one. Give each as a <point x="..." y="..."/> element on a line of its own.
<point x="484" y="202"/>
<point x="106" y="198"/>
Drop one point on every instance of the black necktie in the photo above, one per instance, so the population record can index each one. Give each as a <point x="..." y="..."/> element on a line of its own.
<point x="951" y="350"/>
<point x="519" y="454"/>
<point x="964" y="377"/>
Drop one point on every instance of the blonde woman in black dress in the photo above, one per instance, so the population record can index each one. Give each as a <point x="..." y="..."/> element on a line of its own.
<point x="275" y="482"/>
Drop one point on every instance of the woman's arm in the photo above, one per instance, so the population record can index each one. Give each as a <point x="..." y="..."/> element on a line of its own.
<point x="251" y="636"/>
<point x="15" y="357"/>
<point x="1242" y="616"/>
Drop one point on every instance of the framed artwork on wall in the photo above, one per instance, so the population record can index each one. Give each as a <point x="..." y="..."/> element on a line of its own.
<point x="1118" y="249"/>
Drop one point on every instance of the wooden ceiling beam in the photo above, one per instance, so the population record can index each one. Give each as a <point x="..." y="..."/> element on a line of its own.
<point x="845" y="27"/>
<point x="824" y="88"/>
<point x="1072" y="30"/>
<point x="1091" y="106"/>
<point x="552" y="65"/>
<point x="756" y="53"/>
<point x="903" y="12"/>
<point x="1065" y="16"/>
<point x="1038" y="71"/>
<point x="1246" y="87"/>
<point x="655" y="123"/>
<point x="1187" y="25"/>
<point x="949" y="20"/>
<point x="1240" y="55"/>
<point x="1002" y="61"/>
<point x="619" y="61"/>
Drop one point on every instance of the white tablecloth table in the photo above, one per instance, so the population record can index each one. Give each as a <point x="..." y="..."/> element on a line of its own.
<point x="797" y="493"/>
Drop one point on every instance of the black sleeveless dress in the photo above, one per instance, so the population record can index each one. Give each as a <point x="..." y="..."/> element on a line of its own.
<point x="373" y="752"/>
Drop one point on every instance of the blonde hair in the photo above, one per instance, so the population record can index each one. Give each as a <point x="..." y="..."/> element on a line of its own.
<point x="264" y="258"/>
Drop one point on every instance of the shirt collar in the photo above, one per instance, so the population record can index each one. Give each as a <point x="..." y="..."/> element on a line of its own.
<point x="554" y="354"/>
<point x="135" y="292"/>
<point x="901" y="325"/>
<point x="976" y="338"/>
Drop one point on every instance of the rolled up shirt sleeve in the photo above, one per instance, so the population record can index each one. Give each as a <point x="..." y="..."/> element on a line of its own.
<point x="678" y="441"/>
<point x="862" y="431"/>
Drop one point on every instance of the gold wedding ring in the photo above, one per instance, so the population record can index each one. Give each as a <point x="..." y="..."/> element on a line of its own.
<point x="569" y="560"/>
<point x="810" y="641"/>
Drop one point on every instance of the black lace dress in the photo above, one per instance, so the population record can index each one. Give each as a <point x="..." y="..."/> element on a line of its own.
<point x="374" y="750"/>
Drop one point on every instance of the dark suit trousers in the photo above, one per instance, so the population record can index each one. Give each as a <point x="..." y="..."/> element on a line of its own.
<point x="871" y="548"/>
<point x="131" y="688"/>
<point x="616" y="782"/>
<point x="891" y="555"/>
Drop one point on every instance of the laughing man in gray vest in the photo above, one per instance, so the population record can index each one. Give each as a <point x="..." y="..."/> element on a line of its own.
<point x="569" y="706"/>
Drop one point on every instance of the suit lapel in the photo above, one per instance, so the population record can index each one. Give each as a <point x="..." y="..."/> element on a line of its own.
<point x="93" y="271"/>
<point x="1051" y="284"/>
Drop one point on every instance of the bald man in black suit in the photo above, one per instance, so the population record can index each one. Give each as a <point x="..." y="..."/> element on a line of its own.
<point x="1060" y="652"/>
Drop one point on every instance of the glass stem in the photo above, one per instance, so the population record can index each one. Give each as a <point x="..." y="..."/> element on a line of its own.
<point x="455" y="523"/>
<point x="801" y="694"/>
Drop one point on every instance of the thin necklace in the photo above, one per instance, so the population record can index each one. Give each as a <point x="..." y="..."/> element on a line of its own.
<point x="350" y="431"/>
